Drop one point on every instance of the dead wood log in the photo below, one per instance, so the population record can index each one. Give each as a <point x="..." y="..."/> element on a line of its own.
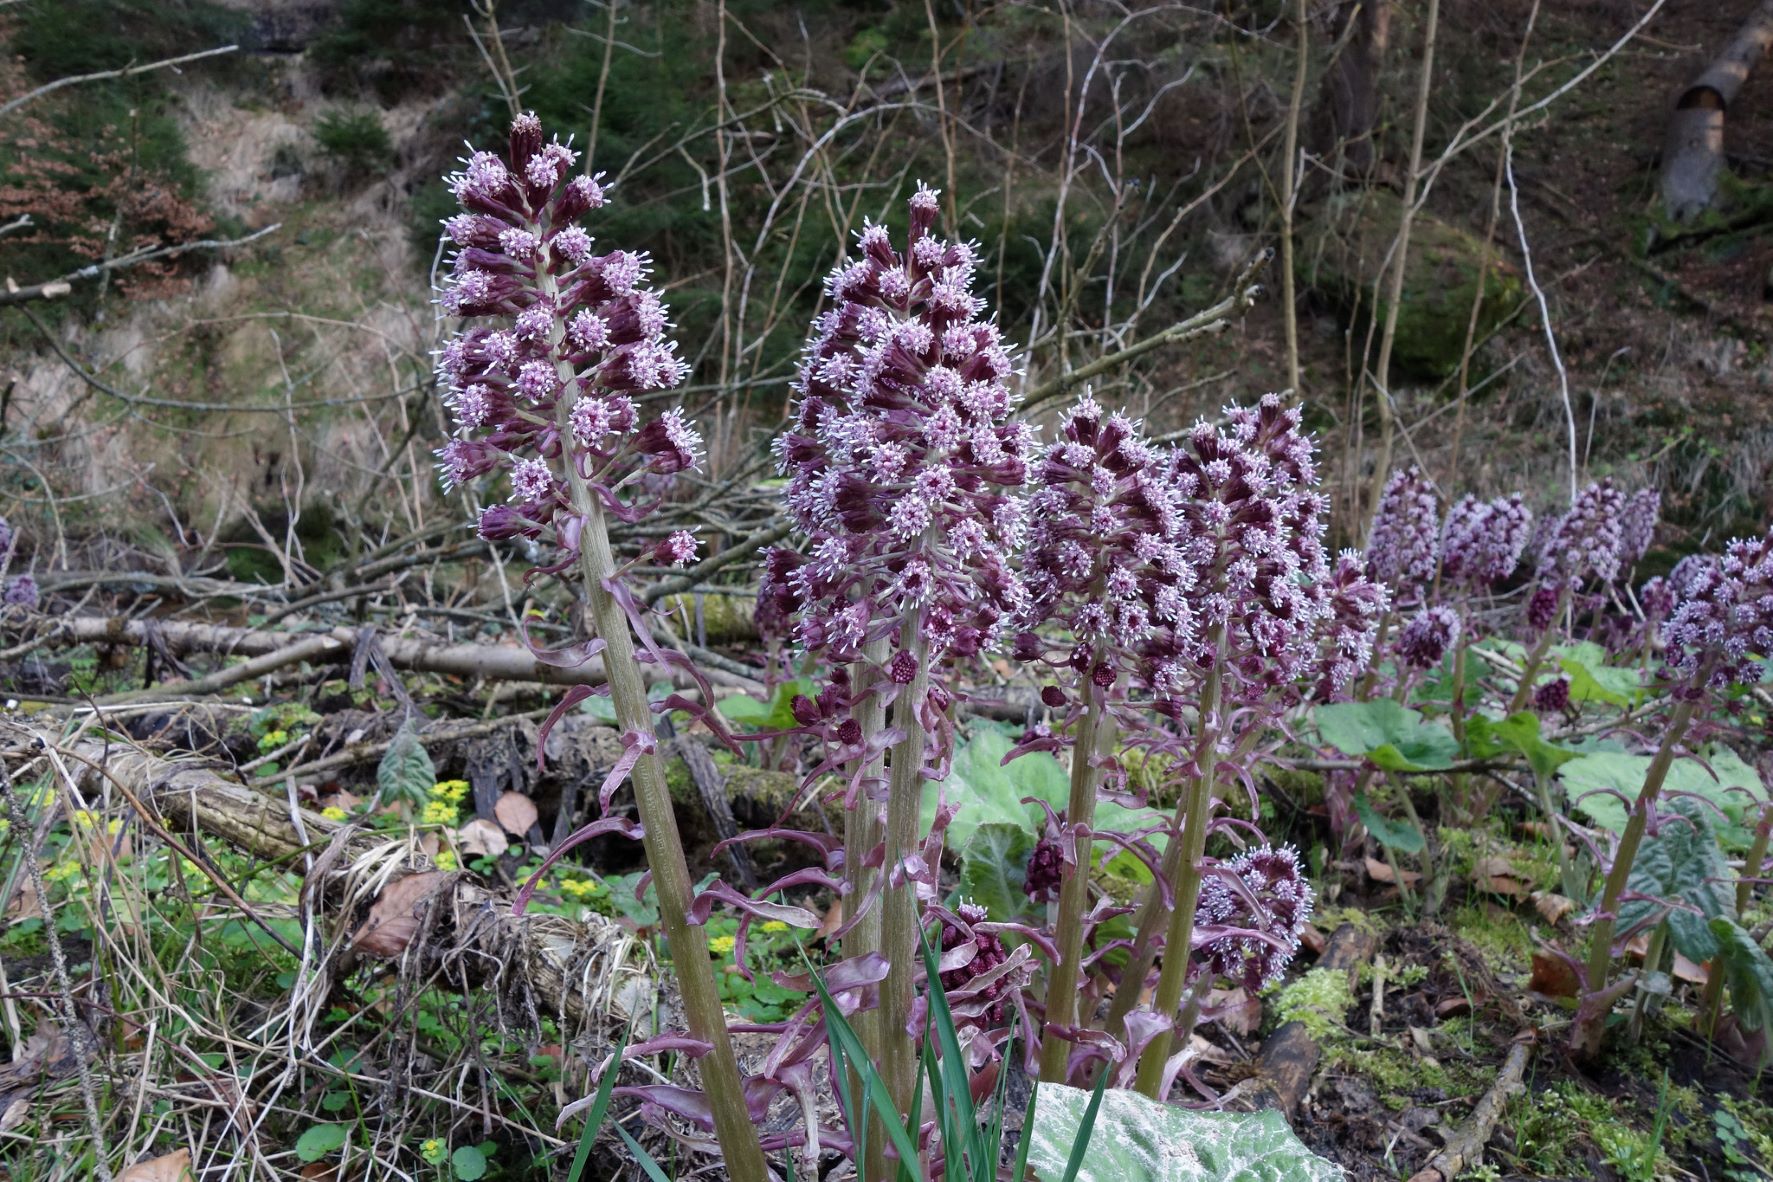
<point x="1290" y="1055"/>
<point x="1465" y="1148"/>
<point x="455" y="931"/>
<point x="492" y="662"/>
<point x="1693" y="144"/>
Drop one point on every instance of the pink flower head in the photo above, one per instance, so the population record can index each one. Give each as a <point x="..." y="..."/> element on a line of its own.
<point x="21" y="592"/>
<point x="1587" y="542"/>
<point x="904" y="467"/>
<point x="1351" y="627"/>
<point x="1428" y="636"/>
<point x="970" y="955"/>
<point x="1637" y="525"/>
<point x="541" y="386"/>
<point x="1721" y="631"/>
<point x="1105" y="557"/>
<point x="1252" y="533"/>
<point x="1251" y="912"/>
<point x="1404" y="543"/>
<point x="1481" y="542"/>
<point x="678" y="548"/>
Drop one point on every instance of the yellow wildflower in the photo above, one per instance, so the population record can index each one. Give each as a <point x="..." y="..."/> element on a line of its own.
<point x="720" y="945"/>
<point x="450" y="791"/>
<point x="773" y="925"/>
<point x="439" y="812"/>
<point x="61" y="871"/>
<point x="434" y="1151"/>
<point x="333" y="812"/>
<point x="581" y="888"/>
<point x="445" y="860"/>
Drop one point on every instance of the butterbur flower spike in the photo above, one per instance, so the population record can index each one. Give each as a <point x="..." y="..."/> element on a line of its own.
<point x="1428" y="636"/>
<point x="1587" y="543"/>
<point x="903" y="463"/>
<point x="1403" y="544"/>
<point x="1481" y="542"/>
<point x="542" y="388"/>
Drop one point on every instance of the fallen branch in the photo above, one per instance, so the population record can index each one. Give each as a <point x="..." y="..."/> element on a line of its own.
<point x="1290" y="1055"/>
<point x="491" y="662"/>
<point x="1466" y="1146"/>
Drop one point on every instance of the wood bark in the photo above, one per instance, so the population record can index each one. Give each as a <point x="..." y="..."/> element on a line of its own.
<point x="1693" y="145"/>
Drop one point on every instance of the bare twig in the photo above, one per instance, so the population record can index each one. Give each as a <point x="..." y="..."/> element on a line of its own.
<point x="99" y="76"/>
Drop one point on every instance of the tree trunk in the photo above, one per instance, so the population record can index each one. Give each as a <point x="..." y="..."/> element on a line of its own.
<point x="1348" y="107"/>
<point x="1693" y="148"/>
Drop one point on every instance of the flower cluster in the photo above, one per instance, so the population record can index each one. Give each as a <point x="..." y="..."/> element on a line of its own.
<point x="1481" y="542"/>
<point x="1251" y="912"/>
<point x="544" y="390"/>
<point x="1253" y="531"/>
<point x="1350" y="626"/>
<point x="1552" y="697"/>
<point x="904" y="466"/>
<point x="1403" y="545"/>
<point x="1586" y="543"/>
<point x="1721" y="631"/>
<point x="1428" y="636"/>
<point x="978" y="996"/>
<point x="1637" y="525"/>
<point x="1105" y="556"/>
<point x="1045" y="873"/>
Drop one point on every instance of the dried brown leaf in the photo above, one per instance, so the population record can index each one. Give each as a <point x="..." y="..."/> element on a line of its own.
<point x="516" y="812"/>
<point x="1381" y="872"/>
<point x="481" y="838"/>
<point x="170" y="1167"/>
<point x="393" y="918"/>
<point x="1552" y="976"/>
<point x="1552" y="907"/>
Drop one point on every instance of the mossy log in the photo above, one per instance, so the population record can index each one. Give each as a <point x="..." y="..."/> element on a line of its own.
<point x="1349" y="245"/>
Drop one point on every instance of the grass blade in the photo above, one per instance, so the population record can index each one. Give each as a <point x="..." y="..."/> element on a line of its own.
<point x="642" y="1156"/>
<point x="874" y="1094"/>
<point x="606" y="1088"/>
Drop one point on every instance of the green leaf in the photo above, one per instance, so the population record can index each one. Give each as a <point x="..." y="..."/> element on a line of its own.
<point x="1136" y="1139"/>
<point x="1394" y="835"/>
<point x="1487" y="737"/>
<point x="1749" y="972"/>
<point x="777" y="714"/>
<point x="1735" y="789"/>
<point x="1593" y="680"/>
<point x="992" y="865"/>
<point x="468" y="1163"/>
<point x="406" y="771"/>
<point x="319" y="1141"/>
<point x="986" y="791"/>
<point x="1681" y="863"/>
<point x="1393" y="737"/>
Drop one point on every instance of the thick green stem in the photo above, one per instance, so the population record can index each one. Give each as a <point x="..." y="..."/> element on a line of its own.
<point x="862" y="830"/>
<point x="1524" y="689"/>
<point x="1173" y="977"/>
<point x="652" y="797"/>
<point x="1586" y="1036"/>
<point x="898" y="902"/>
<point x="1095" y="736"/>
